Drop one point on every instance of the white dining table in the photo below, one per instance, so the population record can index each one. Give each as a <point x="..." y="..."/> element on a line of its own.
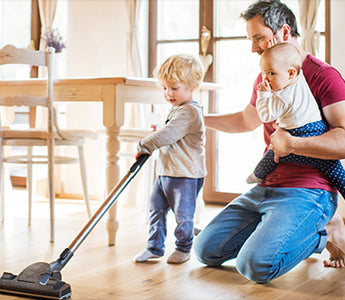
<point x="113" y="92"/>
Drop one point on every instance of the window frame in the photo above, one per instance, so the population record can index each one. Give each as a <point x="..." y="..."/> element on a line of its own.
<point x="206" y="18"/>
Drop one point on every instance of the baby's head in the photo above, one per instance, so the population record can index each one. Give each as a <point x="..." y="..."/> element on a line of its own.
<point x="181" y="68"/>
<point x="280" y="65"/>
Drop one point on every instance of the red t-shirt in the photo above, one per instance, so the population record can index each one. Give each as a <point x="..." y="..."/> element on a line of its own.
<point x="327" y="86"/>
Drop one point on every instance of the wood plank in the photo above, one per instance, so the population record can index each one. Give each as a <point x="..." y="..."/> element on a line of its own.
<point x="99" y="272"/>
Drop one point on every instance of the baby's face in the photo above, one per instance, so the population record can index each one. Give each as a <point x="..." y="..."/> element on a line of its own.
<point x="176" y="93"/>
<point x="277" y="75"/>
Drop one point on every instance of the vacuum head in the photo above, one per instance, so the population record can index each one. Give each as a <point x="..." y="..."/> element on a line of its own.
<point x="27" y="283"/>
<point x="43" y="280"/>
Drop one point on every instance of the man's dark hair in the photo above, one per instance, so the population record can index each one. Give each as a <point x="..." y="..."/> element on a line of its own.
<point x="274" y="15"/>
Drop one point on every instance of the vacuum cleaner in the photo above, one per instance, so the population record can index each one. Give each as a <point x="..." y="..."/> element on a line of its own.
<point x="44" y="280"/>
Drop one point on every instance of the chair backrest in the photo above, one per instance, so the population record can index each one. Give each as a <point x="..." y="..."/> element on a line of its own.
<point x="12" y="55"/>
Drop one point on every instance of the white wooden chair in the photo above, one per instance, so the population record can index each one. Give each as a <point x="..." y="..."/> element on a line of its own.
<point x="48" y="137"/>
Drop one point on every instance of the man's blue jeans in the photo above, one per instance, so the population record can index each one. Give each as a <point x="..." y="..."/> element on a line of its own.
<point x="268" y="230"/>
<point x="178" y="194"/>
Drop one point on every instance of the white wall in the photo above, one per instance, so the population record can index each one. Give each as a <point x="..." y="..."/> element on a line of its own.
<point x="337" y="35"/>
<point x="337" y="53"/>
<point x="96" y="47"/>
<point x="97" y="38"/>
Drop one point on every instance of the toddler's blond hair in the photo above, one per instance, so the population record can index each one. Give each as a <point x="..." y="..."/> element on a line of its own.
<point x="181" y="68"/>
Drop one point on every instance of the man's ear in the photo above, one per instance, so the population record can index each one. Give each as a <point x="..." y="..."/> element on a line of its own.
<point x="292" y="72"/>
<point x="286" y="32"/>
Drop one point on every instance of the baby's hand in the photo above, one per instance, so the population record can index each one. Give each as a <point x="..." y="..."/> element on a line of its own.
<point x="271" y="42"/>
<point x="264" y="86"/>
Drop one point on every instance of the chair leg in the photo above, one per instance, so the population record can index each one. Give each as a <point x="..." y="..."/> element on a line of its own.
<point x="51" y="188"/>
<point x="29" y="185"/>
<point x="83" y="178"/>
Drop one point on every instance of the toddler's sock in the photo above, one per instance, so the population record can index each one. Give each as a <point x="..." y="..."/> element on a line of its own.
<point x="144" y="255"/>
<point x="178" y="257"/>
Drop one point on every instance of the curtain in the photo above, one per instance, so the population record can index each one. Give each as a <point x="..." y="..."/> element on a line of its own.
<point x="308" y="13"/>
<point x="133" y="59"/>
<point x="136" y="114"/>
<point x="47" y="10"/>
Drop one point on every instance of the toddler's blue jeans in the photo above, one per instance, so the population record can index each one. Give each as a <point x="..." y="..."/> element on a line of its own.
<point x="178" y="194"/>
<point x="268" y="230"/>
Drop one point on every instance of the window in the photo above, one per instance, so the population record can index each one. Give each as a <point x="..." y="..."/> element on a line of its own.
<point x="14" y="32"/>
<point x="230" y="157"/>
<point x="173" y="35"/>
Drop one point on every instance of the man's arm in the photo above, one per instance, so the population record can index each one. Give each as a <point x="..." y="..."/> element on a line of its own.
<point x="330" y="145"/>
<point x="246" y="120"/>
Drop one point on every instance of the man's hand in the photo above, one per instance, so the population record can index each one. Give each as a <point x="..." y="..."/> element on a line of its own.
<point x="281" y="143"/>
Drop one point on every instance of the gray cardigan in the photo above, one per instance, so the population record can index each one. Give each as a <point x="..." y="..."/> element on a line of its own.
<point x="180" y="143"/>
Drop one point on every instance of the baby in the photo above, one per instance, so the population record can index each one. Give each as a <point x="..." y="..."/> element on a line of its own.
<point x="284" y="97"/>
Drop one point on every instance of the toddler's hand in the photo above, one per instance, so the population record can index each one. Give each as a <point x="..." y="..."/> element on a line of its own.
<point x="264" y="86"/>
<point x="138" y="155"/>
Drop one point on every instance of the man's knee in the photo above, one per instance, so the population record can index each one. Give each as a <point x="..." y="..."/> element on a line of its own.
<point x="254" y="269"/>
<point x="204" y="253"/>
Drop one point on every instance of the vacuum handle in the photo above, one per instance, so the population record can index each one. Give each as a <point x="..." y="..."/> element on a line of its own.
<point x="139" y="162"/>
<point x="67" y="254"/>
<point x="109" y="201"/>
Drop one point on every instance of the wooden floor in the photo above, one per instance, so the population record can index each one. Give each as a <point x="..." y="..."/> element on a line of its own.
<point x="99" y="272"/>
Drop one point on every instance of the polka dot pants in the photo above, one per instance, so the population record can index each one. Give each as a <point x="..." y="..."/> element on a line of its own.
<point x="332" y="168"/>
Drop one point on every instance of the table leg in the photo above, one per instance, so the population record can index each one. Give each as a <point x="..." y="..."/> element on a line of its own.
<point x="113" y="174"/>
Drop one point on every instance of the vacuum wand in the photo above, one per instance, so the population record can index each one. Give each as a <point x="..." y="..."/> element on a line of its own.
<point x="43" y="279"/>
<point x="67" y="254"/>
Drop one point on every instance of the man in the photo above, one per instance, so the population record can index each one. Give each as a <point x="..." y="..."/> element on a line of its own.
<point x="282" y="221"/>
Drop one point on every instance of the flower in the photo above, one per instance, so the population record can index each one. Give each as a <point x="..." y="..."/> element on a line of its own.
<point x="54" y="39"/>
